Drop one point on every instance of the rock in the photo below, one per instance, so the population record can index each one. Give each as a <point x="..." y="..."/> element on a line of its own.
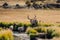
<point x="21" y="36"/>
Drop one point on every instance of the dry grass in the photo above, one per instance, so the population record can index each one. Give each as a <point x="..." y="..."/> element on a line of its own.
<point x="7" y="34"/>
<point x="20" y="15"/>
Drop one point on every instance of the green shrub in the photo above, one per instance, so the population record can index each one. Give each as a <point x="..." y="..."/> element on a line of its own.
<point x="50" y="33"/>
<point x="28" y="25"/>
<point x="20" y="24"/>
<point x="45" y="24"/>
<point x="33" y="37"/>
<point x="3" y="24"/>
<point x="31" y="31"/>
<point x="41" y="29"/>
<point x="0" y="29"/>
<point x="57" y="33"/>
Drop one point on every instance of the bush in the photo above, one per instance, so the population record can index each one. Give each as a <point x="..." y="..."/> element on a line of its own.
<point x="56" y="34"/>
<point x="1" y="24"/>
<point x="28" y="4"/>
<point x="0" y="29"/>
<point x="57" y="31"/>
<point x="31" y="31"/>
<point x="50" y="33"/>
<point x="5" y="5"/>
<point x="6" y="35"/>
<point x="25" y="27"/>
<point x="33" y="37"/>
<point x="6" y="25"/>
<point x="46" y="25"/>
<point x="15" y="25"/>
<point x="20" y="24"/>
<point x="41" y="29"/>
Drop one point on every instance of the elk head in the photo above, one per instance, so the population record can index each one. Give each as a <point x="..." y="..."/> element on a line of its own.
<point x="34" y="21"/>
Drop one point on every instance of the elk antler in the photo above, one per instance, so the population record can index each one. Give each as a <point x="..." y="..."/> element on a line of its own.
<point x="35" y="17"/>
<point x="28" y="17"/>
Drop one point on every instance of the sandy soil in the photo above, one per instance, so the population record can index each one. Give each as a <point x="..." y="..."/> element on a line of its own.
<point x="20" y="15"/>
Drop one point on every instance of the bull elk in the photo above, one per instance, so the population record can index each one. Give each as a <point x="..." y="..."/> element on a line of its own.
<point x="34" y="21"/>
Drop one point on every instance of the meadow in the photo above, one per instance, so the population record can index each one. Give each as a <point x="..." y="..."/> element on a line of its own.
<point x="46" y="18"/>
<point x="20" y="15"/>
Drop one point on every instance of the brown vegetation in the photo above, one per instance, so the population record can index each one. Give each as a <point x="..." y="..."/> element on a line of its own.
<point x="20" y="15"/>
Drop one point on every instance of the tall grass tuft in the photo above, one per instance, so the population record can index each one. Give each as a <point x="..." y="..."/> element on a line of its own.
<point x="6" y="34"/>
<point x="50" y="33"/>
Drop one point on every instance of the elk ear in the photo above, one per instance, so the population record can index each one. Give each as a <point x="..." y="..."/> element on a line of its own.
<point x="28" y="17"/>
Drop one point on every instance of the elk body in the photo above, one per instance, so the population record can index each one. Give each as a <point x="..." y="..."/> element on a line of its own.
<point x="34" y="21"/>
